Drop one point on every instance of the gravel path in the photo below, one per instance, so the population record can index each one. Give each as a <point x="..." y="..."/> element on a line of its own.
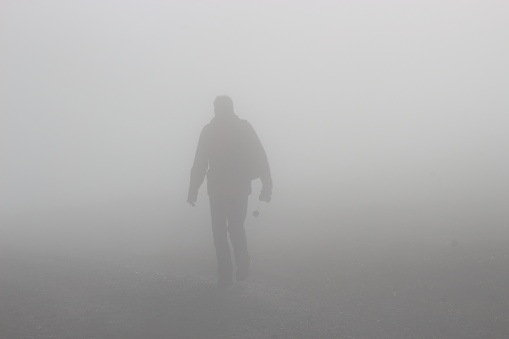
<point x="460" y="294"/>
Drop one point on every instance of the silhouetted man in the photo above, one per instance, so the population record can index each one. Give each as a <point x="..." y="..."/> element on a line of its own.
<point x="230" y="154"/>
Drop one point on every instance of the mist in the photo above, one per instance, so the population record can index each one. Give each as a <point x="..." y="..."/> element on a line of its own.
<point x="385" y="126"/>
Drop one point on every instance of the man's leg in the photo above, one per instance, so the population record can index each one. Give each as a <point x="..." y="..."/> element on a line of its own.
<point x="218" y="213"/>
<point x="236" y="217"/>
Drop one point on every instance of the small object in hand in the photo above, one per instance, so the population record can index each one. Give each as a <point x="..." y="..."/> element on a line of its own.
<point x="256" y="214"/>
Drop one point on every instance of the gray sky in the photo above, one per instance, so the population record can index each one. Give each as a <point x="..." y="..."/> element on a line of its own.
<point x="355" y="101"/>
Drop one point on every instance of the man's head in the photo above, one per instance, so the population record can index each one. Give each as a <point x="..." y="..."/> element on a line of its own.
<point x="223" y="105"/>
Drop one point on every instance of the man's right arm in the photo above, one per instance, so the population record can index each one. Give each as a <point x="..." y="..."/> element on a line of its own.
<point x="199" y="169"/>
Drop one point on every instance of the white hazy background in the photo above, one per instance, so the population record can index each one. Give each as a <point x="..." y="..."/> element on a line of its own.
<point x="379" y="118"/>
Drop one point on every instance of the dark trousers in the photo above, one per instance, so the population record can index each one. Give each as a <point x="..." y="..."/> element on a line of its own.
<point x="228" y="215"/>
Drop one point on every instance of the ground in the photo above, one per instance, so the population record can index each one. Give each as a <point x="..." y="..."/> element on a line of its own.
<point x="408" y="290"/>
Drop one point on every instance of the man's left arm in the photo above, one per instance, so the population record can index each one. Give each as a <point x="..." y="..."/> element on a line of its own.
<point x="263" y="165"/>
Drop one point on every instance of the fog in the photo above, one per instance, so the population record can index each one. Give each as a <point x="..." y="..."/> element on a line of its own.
<point x="385" y="125"/>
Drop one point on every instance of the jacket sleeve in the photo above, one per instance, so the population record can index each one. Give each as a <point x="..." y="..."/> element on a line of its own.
<point x="199" y="169"/>
<point x="262" y="162"/>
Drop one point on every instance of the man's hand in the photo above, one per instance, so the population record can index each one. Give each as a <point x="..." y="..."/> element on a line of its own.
<point x="192" y="203"/>
<point x="264" y="196"/>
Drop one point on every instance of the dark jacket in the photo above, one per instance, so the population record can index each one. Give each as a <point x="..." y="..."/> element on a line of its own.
<point x="230" y="154"/>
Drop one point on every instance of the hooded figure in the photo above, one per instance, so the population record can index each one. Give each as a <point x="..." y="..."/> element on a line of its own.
<point x="230" y="154"/>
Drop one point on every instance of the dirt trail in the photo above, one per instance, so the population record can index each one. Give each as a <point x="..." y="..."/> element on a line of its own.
<point x="459" y="294"/>
<point x="52" y="297"/>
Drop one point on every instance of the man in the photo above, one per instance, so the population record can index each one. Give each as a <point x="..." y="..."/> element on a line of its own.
<point x="230" y="154"/>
